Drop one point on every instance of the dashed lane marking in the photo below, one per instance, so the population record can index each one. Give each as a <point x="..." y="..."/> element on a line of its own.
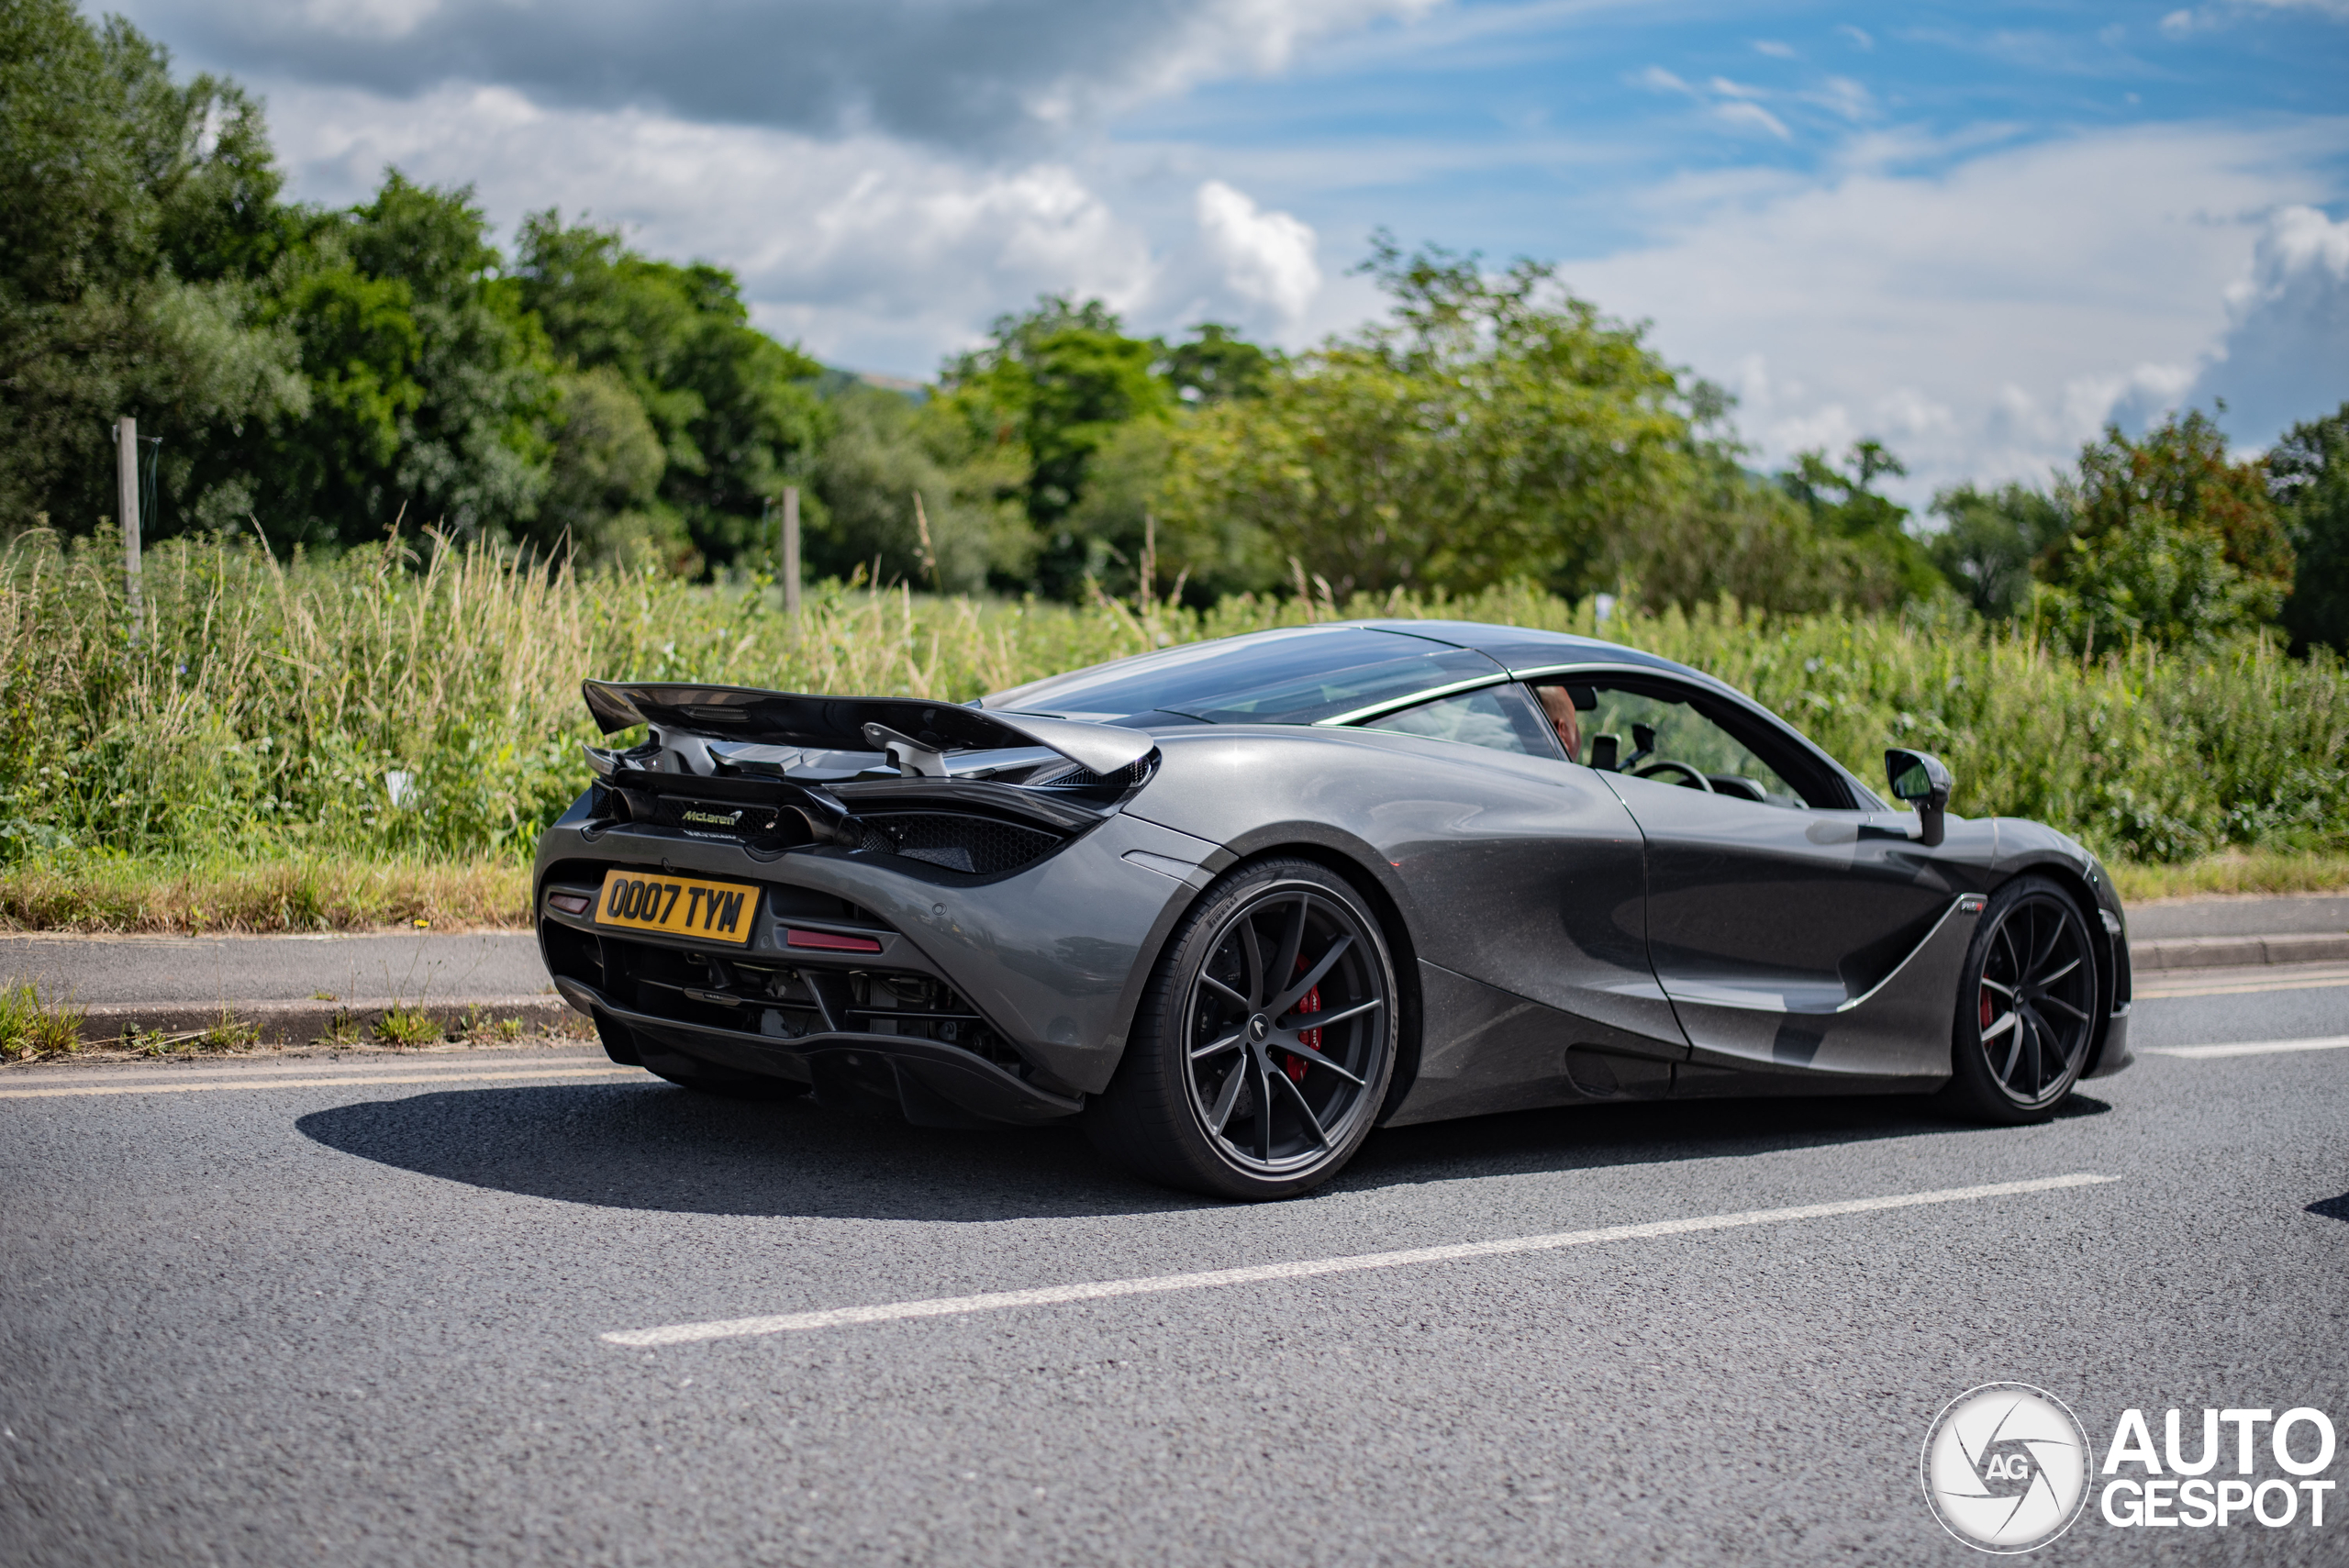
<point x="516" y="1075"/>
<point x="1157" y="1285"/>
<point x="2249" y="1047"/>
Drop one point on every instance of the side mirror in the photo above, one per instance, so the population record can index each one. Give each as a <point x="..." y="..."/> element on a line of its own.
<point x="1922" y="780"/>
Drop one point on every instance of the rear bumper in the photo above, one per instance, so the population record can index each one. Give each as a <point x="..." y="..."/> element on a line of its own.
<point x="1046" y="965"/>
<point x="917" y="1073"/>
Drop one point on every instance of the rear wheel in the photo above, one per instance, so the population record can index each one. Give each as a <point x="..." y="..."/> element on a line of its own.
<point x="1263" y="1047"/>
<point x="2026" y="1005"/>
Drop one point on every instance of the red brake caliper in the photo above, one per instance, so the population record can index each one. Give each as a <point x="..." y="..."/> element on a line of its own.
<point x="1986" y="1007"/>
<point x="1310" y="1039"/>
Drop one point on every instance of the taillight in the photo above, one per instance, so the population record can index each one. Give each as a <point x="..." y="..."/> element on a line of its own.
<point x="829" y="942"/>
<point x="572" y="903"/>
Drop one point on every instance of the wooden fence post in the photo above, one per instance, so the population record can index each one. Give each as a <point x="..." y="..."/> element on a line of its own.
<point x="790" y="572"/>
<point x="126" y="465"/>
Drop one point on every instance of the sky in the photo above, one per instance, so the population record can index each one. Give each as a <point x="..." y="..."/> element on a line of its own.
<point x="1974" y="232"/>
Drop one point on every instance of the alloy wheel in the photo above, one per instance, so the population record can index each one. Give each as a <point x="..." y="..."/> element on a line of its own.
<point x="2035" y="1001"/>
<point x="1283" y="1029"/>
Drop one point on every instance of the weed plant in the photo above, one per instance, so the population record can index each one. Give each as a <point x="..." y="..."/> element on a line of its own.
<point x="301" y="742"/>
<point x="33" y="1026"/>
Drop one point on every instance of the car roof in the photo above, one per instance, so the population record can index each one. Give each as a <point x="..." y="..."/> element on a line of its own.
<point x="1522" y="650"/>
<point x="1306" y="674"/>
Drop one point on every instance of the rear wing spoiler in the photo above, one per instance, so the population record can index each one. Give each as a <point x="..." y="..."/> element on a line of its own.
<point x="855" y="724"/>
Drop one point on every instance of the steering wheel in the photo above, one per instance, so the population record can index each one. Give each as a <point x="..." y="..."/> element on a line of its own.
<point x="1689" y="777"/>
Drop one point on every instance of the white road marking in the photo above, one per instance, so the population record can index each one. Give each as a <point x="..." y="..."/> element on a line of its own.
<point x="1154" y="1284"/>
<point x="2251" y="1047"/>
<point x="61" y="1092"/>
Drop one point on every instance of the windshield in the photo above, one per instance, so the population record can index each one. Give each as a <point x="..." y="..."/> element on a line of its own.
<point x="1297" y="675"/>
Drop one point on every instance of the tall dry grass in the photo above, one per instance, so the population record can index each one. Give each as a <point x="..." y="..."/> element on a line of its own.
<point x="420" y="706"/>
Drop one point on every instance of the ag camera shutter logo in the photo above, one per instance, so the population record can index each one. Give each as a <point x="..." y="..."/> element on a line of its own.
<point x="2005" y="1467"/>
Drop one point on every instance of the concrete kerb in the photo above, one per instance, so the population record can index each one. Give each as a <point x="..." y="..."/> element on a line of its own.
<point x="2238" y="953"/>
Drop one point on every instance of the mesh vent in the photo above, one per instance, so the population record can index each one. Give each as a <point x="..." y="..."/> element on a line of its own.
<point x="1085" y="778"/>
<point x="981" y="846"/>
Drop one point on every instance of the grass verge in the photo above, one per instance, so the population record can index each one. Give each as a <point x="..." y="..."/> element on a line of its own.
<point x="226" y="892"/>
<point x="2252" y="872"/>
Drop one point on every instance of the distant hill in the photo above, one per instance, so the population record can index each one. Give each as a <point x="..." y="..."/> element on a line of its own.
<point x="836" y="379"/>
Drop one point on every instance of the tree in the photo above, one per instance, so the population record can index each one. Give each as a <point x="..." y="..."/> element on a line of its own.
<point x="434" y="389"/>
<point x="733" y="410"/>
<point x="2308" y="479"/>
<point x="138" y="213"/>
<point x="1216" y="363"/>
<point x="1053" y="387"/>
<point x="884" y="450"/>
<point x="1993" y="539"/>
<point x="1843" y="503"/>
<point x="2170" y="541"/>
<point x="1490" y="429"/>
<point x="1735" y="535"/>
<point x="603" y="497"/>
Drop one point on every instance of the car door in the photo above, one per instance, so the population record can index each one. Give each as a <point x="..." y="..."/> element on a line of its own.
<point x="1776" y="898"/>
<point x="1535" y="979"/>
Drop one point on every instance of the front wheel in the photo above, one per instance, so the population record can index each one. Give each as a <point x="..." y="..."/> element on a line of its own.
<point x="1263" y="1047"/>
<point x="2026" y="1005"/>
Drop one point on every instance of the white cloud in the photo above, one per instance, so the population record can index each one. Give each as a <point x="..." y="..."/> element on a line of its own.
<point x="1844" y="98"/>
<point x="1774" y="48"/>
<point x="2338" y="10"/>
<point x="2183" y="23"/>
<point x="1267" y="257"/>
<point x="1752" y="116"/>
<point x="2286" y="354"/>
<point x="873" y="251"/>
<point x="1982" y="320"/>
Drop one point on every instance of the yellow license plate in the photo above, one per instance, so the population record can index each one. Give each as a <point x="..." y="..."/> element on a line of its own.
<point x="678" y="907"/>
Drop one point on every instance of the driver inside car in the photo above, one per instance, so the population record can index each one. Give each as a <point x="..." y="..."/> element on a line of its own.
<point x="1558" y="703"/>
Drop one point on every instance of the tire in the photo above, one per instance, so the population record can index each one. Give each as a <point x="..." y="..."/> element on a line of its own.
<point x="2026" y="1005"/>
<point x="1213" y="1095"/>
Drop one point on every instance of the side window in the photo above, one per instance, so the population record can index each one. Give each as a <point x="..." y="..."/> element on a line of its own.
<point x="1651" y="729"/>
<point x="1495" y="717"/>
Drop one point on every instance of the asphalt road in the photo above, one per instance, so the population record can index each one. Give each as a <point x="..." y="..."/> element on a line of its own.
<point x="361" y="1322"/>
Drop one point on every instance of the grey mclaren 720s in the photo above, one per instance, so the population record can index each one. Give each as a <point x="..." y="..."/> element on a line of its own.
<point x="1235" y="904"/>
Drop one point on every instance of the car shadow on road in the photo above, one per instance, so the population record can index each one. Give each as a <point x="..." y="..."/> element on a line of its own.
<point x="650" y="1146"/>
